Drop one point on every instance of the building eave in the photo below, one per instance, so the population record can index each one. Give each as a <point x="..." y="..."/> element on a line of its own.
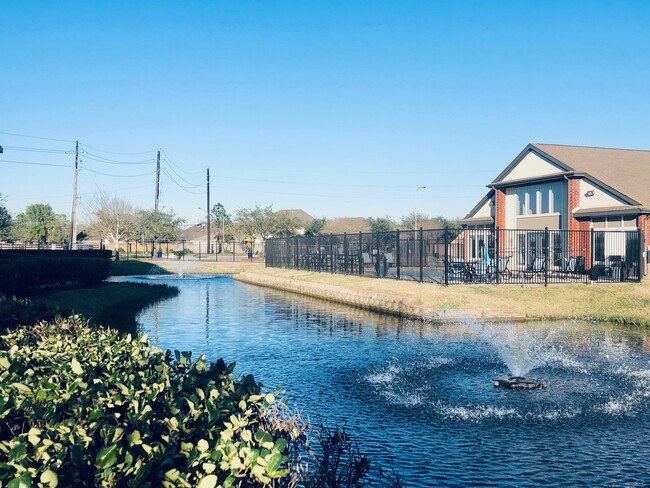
<point x="605" y="211"/>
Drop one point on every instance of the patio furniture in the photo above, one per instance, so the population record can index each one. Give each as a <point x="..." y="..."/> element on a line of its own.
<point x="501" y="268"/>
<point x="537" y="267"/>
<point x="457" y="270"/>
<point x="576" y="265"/>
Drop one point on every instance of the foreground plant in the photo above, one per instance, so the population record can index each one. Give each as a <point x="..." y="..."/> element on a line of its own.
<point x="82" y="406"/>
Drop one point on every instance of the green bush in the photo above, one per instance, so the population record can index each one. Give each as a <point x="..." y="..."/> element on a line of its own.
<point x="21" y="274"/>
<point x="81" y="406"/>
<point x="15" y="312"/>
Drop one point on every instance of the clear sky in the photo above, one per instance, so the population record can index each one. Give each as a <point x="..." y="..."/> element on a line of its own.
<point x="341" y="108"/>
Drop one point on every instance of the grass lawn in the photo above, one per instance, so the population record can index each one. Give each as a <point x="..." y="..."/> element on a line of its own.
<point x="623" y="303"/>
<point x="110" y="304"/>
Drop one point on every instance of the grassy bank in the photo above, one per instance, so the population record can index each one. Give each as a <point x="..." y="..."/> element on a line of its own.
<point x="623" y="303"/>
<point x="627" y="303"/>
<point x="110" y="304"/>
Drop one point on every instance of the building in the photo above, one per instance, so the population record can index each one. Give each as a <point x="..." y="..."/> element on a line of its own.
<point x="579" y="192"/>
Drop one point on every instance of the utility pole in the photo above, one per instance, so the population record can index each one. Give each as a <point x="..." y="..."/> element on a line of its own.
<point x="157" y="180"/>
<point x="73" y="219"/>
<point x="208" y="208"/>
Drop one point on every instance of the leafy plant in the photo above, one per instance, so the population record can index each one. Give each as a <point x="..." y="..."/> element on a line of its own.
<point x="86" y="407"/>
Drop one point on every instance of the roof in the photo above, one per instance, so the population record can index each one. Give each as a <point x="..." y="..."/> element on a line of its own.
<point x="346" y="224"/>
<point x="297" y="214"/>
<point x="626" y="171"/>
<point x="195" y="232"/>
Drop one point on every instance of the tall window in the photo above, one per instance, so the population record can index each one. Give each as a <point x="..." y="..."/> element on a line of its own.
<point x="539" y="199"/>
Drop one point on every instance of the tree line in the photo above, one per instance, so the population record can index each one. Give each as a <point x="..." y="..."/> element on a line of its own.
<point x="116" y="220"/>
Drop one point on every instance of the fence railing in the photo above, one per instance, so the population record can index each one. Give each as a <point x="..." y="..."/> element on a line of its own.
<point x="464" y="256"/>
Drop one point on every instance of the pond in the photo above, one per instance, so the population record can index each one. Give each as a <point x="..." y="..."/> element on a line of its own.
<point x="420" y="397"/>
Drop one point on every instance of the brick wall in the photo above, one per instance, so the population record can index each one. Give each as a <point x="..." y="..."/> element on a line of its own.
<point x="500" y="212"/>
<point x="574" y="201"/>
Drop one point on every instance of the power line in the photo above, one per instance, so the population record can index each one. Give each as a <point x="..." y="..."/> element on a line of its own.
<point x="164" y="170"/>
<point x="101" y="159"/>
<point x="39" y="150"/>
<point x="118" y="176"/>
<point x="35" y="164"/>
<point x="117" y="153"/>
<point x="180" y="177"/>
<point x="36" y="137"/>
<point x="169" y="160"/>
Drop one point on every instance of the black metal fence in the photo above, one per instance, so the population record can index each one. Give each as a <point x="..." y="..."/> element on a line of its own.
<point x="465" y="256"/>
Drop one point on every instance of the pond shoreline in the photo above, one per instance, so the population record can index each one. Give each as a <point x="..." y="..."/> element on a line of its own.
<point x="623" y="303"/>
<point x="376" y="302"/>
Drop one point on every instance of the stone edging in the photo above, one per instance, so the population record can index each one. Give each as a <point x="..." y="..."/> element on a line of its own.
<point x="376" y="302"/>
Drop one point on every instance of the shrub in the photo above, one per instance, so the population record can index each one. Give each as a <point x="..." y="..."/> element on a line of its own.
<point x="15" y="312"/>
<point x="22" y="274"/>
<point x="81" y="406"/>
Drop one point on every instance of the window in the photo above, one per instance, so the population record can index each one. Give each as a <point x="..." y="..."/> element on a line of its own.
<point x="540" y="199"/>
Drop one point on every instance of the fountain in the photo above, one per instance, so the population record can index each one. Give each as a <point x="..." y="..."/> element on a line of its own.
<point x="521" y="351"/>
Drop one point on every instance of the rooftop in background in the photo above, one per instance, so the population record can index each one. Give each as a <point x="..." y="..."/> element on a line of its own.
<point x="298" y="214"/>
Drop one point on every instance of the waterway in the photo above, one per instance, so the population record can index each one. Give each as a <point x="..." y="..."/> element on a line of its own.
<point x="420" y="397"/>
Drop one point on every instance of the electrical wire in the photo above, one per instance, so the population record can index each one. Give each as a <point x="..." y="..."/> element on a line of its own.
<point x="39" y="150"/>
<point x="117" y="153"/>
<point x="180" y="177"/>
<point x="36" y="137"/>
<point x="190" y="173"/>
<point x="118" y="176"/>
<point x="101" y="159"/>
<point x="166" y="173"/>
<point x="35" y="164"/>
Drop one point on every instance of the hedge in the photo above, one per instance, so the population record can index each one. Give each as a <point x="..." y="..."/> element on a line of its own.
<point x="82" y="406"/>
<point x="21" y="274"/>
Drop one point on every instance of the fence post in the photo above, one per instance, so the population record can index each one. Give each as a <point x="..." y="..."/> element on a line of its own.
<point x="421" y="252"/>
<point x="642" y="263"/>
<point x="496" y="254"/>
<point x="546" y="255"/>
<point x="345" y="253"/>
<point x="446" y="263"/>
<point x="397" y="251"/>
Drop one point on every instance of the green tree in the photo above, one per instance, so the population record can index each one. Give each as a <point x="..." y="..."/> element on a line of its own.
<point x="263" y="222"/>
<point x="39" y="223"/>
<point x="157" y="225"/>
<point x="381" y="224"/>
<point x="315" y="227"/>
<point x="223" y="223"/>
<point x="5" y="220"/>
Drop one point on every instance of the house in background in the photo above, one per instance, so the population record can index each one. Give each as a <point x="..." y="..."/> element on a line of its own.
<point x="572" y="188"/>
<point x="300" y="216"/>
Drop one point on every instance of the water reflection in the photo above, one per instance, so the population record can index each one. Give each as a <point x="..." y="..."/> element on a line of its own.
<point x="421" y="395"/>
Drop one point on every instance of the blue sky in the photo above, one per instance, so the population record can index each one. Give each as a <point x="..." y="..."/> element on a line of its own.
<point x="338" y="108"/>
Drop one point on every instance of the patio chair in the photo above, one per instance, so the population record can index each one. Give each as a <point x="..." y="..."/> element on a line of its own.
<point x="457" y="270"/>
<point x="389" y="259"/>
<point x="536" y="268"/>
<point x="501" y="268"/>
<point x="576" y="265"/>
<point x="367" y="261"/>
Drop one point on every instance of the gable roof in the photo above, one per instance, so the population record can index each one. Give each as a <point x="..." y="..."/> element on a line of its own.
<point x="297" y="214"/>
<point x="346" y="224"/>
<point x="624" y="170"/>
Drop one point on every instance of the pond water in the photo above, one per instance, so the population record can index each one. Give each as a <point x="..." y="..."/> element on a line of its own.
<point x="420" y="397"/>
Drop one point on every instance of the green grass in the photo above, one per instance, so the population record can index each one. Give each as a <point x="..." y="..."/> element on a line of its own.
<point x="110" y="304"/>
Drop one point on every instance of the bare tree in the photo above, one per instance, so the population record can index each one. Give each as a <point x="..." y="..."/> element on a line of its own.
<point x="112" y="218"/>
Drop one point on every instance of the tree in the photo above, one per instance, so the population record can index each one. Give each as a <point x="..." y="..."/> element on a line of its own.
<point x="112" y="218"/>
<point x="39" y="223"/>
<point x="223" y="222"/>
<point x="380" y="224"/>
<point x="155" y="225"/>
<point x="5" y="220"/>
<point x="263" y="222"/>
<point x="315" y="227"/>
